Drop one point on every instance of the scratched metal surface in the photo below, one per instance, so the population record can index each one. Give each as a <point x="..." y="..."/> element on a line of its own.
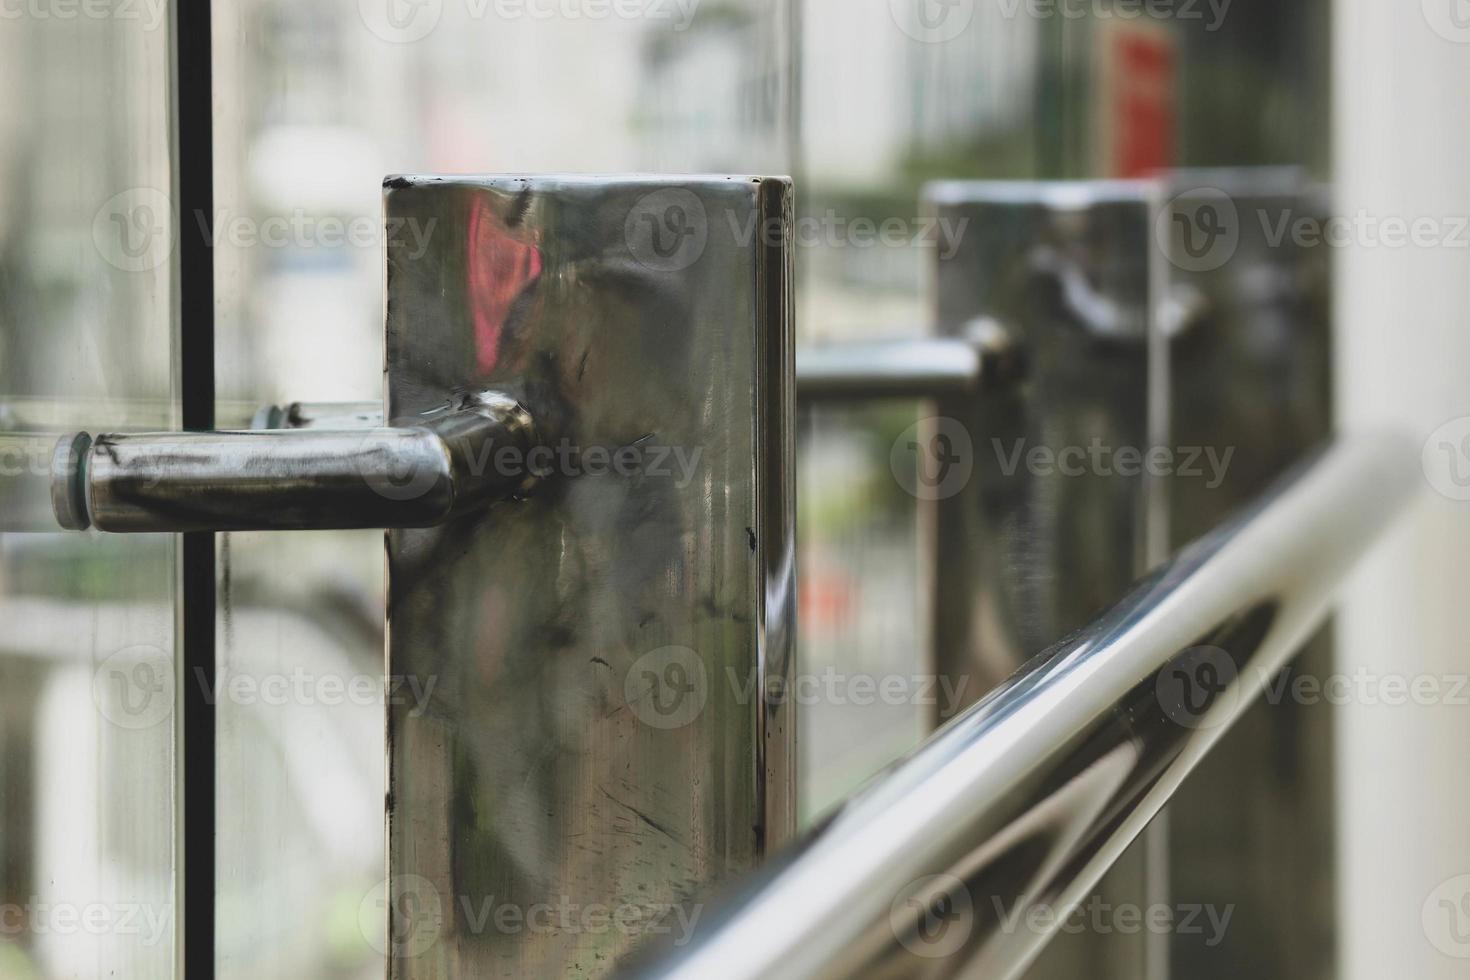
<point x="593" y="740"/>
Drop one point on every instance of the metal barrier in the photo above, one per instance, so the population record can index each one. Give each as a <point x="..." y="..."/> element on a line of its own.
<point x="1027" y="798"/>
<point x="1072" y="316"/>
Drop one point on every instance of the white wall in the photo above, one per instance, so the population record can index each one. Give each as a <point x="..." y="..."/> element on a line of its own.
<point x="1402" y="150"/>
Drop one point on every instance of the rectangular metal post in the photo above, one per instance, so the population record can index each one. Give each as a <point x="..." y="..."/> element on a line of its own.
<point x="1043" y="510"/>
<point x="1249" y="352"/>
<point x="600" y="741"/>
<point x="1181" y="323"/>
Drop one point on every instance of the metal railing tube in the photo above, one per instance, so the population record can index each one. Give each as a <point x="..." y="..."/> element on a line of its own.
<point x="419" y="474"/>
<point x="917" y="368"/>
<point x="1025" y="800"/>
<point x="908" y="367"/>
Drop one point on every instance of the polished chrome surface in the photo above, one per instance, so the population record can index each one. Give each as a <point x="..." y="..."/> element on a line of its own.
<point x="448" y="461"/>
<point x="901" y="368"/>
<point x="1031" y="547"/>
<point x="1250" y="373"/>
<point x="40" y="469"/>
<point x="1026" y="799"/>
<point x="598" y="737"/>
<point x="1028" y="554"/>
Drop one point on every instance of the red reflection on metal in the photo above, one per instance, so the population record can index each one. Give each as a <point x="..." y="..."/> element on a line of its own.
<point x="501" y="269"/>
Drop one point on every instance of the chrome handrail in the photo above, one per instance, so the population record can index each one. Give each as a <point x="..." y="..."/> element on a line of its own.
<point x="908" y="367"/>
<point x="1024" y="801"/>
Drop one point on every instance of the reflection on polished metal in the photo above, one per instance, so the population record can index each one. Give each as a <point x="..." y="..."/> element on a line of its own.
<point x="1256" y="829"/>
<point x="29" y="429"/>
<point x="598" y="738"/>
<point x="1024" y="551"/>
<point x="918" y="367"/>
<point x="1021" y="803"/>
<point x="1028" y="553"/>
<point x="442" y="465"/>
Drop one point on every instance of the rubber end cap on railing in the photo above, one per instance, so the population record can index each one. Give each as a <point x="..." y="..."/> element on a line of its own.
<point x="69" y="481"/>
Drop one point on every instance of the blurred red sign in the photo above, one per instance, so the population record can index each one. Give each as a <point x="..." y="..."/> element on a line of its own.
<point x="1137" y="69"/>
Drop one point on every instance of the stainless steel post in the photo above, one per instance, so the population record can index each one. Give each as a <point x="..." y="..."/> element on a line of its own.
<point x="1250" y="370"/>
<point x="600" y="736"/>
<point x="600" y="664"/>
<point x="1043" y="535"/>
<point x="1178" y="360"/>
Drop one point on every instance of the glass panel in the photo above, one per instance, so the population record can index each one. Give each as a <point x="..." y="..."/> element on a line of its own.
<point x="887" y="104"/>
<point x="861" y="622"/>
<point x="315" y="104"/>
<point x="87" y="630"/>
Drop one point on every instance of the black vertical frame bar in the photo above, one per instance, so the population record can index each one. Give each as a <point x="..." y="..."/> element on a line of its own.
<point x="195" y="140"/>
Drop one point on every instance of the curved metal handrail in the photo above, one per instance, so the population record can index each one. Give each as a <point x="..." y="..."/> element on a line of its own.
<point x="1026" y="800"/>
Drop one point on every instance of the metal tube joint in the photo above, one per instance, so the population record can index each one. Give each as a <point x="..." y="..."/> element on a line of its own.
<point x="461" y="458"/>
